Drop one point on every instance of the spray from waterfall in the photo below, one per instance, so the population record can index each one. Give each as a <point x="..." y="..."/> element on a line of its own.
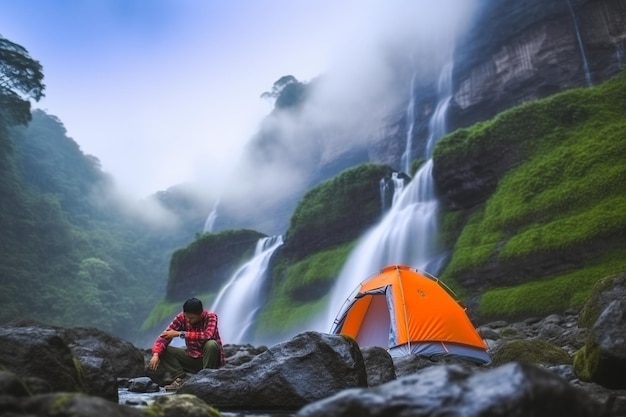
<point x="581" y="46"/>
<point x="239" y="301"/>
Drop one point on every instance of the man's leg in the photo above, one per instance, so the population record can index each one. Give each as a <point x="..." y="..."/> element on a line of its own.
<point x="210" y="354"/>
<point x="176" y="361"/>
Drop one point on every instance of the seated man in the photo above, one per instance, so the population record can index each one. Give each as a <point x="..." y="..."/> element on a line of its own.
<point x="198" y="327"/>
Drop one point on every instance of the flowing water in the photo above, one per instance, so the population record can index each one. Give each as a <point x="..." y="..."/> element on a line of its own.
<point x="581" y="47"/>
<point x="406" y="234"/>
<point x="241" y="298"/>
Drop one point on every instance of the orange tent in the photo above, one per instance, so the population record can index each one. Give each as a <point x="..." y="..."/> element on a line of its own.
<point x="409" y="311"/>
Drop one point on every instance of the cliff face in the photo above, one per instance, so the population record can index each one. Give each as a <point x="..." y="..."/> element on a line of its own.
<point x="524" y="50"/>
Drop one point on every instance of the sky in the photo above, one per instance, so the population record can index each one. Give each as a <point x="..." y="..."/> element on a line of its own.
<point x="168" y="91"/>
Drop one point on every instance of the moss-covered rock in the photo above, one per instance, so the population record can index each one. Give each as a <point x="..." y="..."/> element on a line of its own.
<point x="534" y="201"/>
<point x="208" y="262"/>
<point x="604" y="291"/>
<point x="336" y="211"/>
<point x="181" y="405"/>
<point x="603" y="357"/>
<point x="532" y="352"/>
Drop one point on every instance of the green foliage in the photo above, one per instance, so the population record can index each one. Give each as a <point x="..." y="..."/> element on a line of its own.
<point x="537" y="352"/>
<point x="336" y="211"/>
<point x="21" y="79"/>
<point x="567" y="181"/>
<point x="550" y="294"/>
<point x="287" y="91"/>
<point x="206" y="263"/>
<point x="301" y="290"/>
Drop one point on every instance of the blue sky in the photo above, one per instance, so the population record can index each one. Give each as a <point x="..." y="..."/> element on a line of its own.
<point x="167" y="91"/>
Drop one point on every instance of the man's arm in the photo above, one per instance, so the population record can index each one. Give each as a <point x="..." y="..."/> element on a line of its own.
<point x="209" y="329"/>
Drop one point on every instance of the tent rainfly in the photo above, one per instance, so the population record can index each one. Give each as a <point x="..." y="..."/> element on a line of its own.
<point x="407" y="311"/>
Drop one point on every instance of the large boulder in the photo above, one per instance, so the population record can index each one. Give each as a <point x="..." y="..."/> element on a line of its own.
<point x="514" y="389"/>
<point x="70" y="359"/>
<point x="603" y="358"/>
<point x="39" y="352"/>
<point x="307" y="368"/>
<point x="66" y="404"/>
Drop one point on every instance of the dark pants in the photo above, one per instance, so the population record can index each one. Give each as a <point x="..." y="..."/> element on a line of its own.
<point x="177" y="362"/>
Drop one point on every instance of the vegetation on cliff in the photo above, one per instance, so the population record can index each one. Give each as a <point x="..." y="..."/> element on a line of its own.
<point x="323" y="229"/>
<point x="336" y="211"/>
<point x="206" y="264"/>
<point x="561" y="203"/>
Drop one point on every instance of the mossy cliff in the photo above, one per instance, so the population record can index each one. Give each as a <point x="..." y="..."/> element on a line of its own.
<point x="536" y="198"/>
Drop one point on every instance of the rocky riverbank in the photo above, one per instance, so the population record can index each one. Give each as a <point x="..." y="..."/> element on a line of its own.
<point x="568" y="364"/>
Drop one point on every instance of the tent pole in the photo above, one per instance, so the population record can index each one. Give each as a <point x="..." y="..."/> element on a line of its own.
<point x="406" y="317"/>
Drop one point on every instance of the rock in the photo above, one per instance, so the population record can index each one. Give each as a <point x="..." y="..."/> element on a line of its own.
<point x="125" y="359"/>
<point x="603" y="358"/>
<point x="11" y="385"/>
<point x="378" y="365"/>
<point x="36" y="351"/>
<point x="513" y="389"/>
<point x="307" y="368"/>
<point x="92" y="357"/>
<point x="530" y="351"/>
<point x="65" y="404"/>
<point x="180" y="406"/>
<point x="521" y="51"/>
<point x="142" y="384"/>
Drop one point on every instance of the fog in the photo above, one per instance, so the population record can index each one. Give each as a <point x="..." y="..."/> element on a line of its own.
<point x="347" y="108"/>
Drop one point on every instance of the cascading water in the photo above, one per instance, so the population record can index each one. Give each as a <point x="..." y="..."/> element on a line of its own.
<point x="580" y="44"/>
<point x="405" y="235"/>
<point x="410" y="117"/>
<point x="210" y="220"/>
<point x="240" y="299"/>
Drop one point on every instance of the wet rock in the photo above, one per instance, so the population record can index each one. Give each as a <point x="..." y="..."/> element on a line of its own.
<point x="378" y="365"/>
<point x="142" y="384"/>
<point x="309" y="367"/>
<point x="453" y="391"/>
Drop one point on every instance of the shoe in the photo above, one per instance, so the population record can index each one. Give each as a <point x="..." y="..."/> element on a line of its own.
<point x="177" y="383"/>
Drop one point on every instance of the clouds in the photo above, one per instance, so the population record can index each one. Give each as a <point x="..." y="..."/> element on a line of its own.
<point x="168" y="92"/>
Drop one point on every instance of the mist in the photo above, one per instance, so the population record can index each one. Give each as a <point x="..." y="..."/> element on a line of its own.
<point x="345" y="109"/>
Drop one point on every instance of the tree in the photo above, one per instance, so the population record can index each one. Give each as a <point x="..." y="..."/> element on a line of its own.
<point x="287" y="92"/>
<point x="20" y="80"/>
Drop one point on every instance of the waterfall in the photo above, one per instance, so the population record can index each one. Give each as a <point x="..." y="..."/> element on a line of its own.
<point x="580" y="44"/>
<point x="405" y="235"/>
<point x="210" y="220"/>
<point x="240" y="299"/>
<point x="410" y="117"/>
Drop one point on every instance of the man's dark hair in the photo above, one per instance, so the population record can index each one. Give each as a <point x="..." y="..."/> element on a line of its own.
<point x="193" y="305"/>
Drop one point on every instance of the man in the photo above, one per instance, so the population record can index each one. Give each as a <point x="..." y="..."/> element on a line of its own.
<point x="198" y="328"/>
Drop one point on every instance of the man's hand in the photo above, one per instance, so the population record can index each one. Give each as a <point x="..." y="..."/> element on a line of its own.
<point x="154" y="362"/>
<point x="169" y="334"/>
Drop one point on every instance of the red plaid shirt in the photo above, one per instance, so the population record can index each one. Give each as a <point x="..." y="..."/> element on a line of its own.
<point x="195" y="335"/>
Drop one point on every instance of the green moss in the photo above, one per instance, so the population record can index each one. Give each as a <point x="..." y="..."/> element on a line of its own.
<point x="538" y="352"/>
<point x="551" y="294"/>
<point x="592" y="364"/>
<point x="565" y="189"/>
<point x="180" y="404"/>
<point x="336" y="211"/>
<point x="302" y="290"/>
<point x="592" y="308"/>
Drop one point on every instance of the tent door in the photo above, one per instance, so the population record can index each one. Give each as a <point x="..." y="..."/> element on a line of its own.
<point x="374" y="329"/>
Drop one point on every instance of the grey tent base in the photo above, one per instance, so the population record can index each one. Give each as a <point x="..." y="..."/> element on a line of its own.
<point x="429" y="349"/>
